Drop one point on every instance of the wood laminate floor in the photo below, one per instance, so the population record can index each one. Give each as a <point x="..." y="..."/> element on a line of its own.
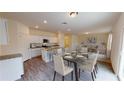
<point x="37" y="70"/>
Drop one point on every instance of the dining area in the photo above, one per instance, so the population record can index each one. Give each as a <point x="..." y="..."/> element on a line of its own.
<point x="59" y="50"/>
<point x="67" y="61"/>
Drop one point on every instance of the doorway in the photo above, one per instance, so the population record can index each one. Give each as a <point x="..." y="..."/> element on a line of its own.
<point x="67" y="41"/>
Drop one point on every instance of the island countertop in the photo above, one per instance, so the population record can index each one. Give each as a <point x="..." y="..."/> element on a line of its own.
<point x="46" y="48"/>
<point x="5" y="57"/>
<point x="51" y="48"/>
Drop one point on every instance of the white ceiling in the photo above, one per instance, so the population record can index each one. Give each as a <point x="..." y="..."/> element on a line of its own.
<point x="84" y="21"/>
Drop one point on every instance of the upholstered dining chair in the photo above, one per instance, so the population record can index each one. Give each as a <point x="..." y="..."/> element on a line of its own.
<point x="84" y="51"/>
<point x="89" y="65"/>
<point x="60" y="68"/>
<point x="60" y="51"/>
<point x="91" y="57"/>
<point x="67" y="50"/>
<point x="96" y="66"/>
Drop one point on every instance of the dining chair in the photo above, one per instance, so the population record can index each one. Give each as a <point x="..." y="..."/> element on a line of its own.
<point x="96" y="66"/>
<point x="67" y="50"/>
<point x="84" y="51"/>
<point x="60" y="68"/>
<point x="60" y="51"/>
<point x="91" y="57"/>
<point x="89" y="65"/>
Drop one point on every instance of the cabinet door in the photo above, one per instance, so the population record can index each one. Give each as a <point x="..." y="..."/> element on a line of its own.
<point x="3" y="31"/>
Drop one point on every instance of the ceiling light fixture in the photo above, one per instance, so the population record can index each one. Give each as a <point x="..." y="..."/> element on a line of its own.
<point x="45" y="21"/>
<point x="73" y="14"/>
<point x="64" y="23"/>
<point x="36" y="26"/>
<point x="86" y="32"/>
<point x="68" y="29"/>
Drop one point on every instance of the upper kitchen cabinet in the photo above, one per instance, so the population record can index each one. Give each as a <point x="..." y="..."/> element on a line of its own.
<point x="3" y="31"/>
<point x="42" y="33"/>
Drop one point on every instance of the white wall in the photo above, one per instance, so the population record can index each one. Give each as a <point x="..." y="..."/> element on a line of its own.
<point x="74" y="41"/>
<point x="116" y="44"/>
<point x="100" y="37"/>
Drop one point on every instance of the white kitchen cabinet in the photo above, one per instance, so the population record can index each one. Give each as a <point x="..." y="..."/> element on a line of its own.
<point x="34" y="52"/>
<point x="11" y="67"/>
<point x="3" y="31"/>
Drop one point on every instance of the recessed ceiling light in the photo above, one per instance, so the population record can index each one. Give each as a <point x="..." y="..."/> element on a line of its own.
<point x="64" y="23"/>
<point x="86" y="32"/>
<point x="36" y="26"/>
<point x="68" y="29"/>
<point x="73" y="14"/>
<point x="45" y="21"/>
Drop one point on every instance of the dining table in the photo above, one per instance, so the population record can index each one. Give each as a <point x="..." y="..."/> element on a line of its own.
<point x="77" y="59"/>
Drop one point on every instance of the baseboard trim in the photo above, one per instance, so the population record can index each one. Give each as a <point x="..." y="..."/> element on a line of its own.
<point x="36" y="57"/>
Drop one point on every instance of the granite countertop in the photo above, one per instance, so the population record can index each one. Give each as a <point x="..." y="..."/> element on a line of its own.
<point x="51" y="48"/>
<point x="4" y="57"/>
<point x="47" y="47"/>
<point x="35" y="47"/>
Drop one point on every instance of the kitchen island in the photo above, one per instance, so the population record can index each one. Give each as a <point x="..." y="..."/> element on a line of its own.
<point x="48" y="52"/>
